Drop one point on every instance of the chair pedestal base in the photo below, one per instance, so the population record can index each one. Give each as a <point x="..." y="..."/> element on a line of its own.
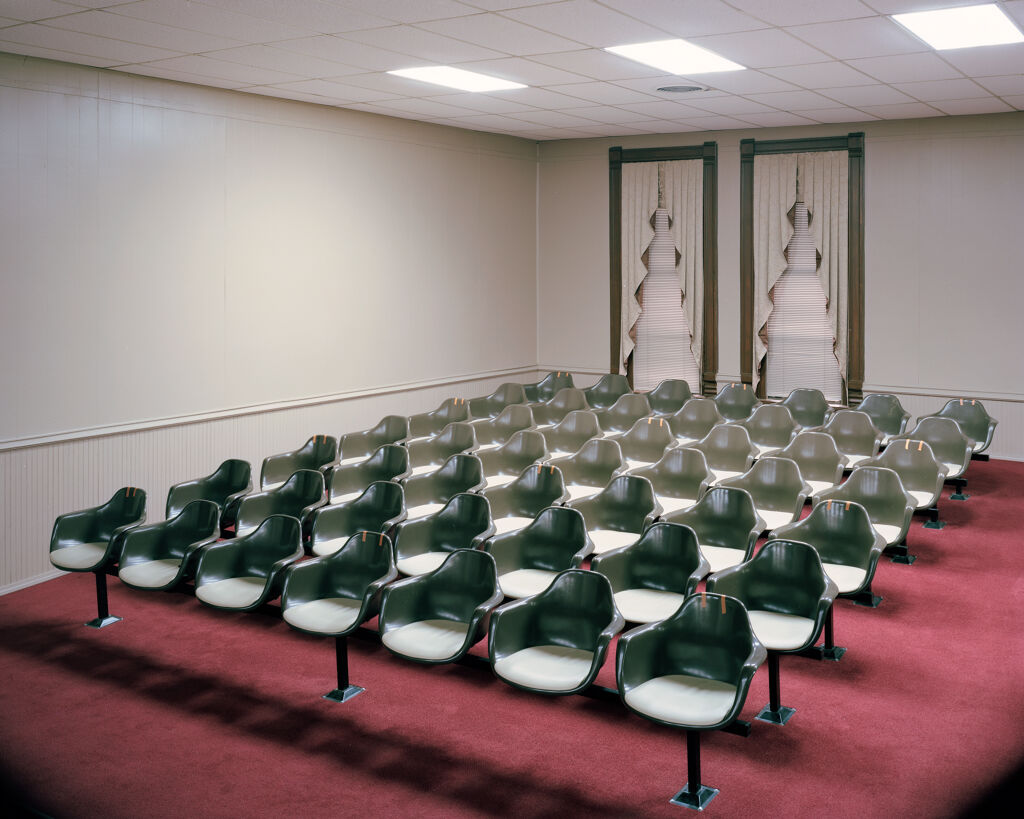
<point x="898" y="553"/>
<point x="866" y="597"/>
<point x="698" y="800"/>
<point x="959" y="485"/>
<point x="738" y="727"/>
<point x="823" y="652"/>
<point x="979" y="456"/>
<point x="935" y="524"/>
<point x="103" y="622"/>
<point x="344" y="694"/>
<point x="779" y="716"/>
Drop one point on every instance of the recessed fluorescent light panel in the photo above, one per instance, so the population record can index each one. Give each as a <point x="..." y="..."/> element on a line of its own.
<point x="456" y="78"/>
<point x="963" y="27"/>
<point x="676" y="57"/>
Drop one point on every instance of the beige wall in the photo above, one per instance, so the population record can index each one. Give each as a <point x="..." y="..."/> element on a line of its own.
<point x="943" y="247"/>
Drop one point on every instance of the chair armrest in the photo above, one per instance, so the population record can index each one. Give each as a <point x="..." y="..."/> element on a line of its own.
<point x="219" y="561"/>
<point x="400" y="602"/>
<point x="514" y="619"/>
<point x="74" y="526"/>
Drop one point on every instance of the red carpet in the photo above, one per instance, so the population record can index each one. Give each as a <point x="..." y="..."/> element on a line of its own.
<point x="183" y="710"/>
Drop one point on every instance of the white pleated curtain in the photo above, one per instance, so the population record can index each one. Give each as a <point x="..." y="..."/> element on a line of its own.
<point x="824" y="184"/>
<point x="683" y="198"/>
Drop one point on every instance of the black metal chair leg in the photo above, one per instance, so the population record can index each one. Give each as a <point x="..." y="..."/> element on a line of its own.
<point x="103" y="616"/>
<point x="775" y="712"/>
<point x="828" y="650"/>
<point x="345" y="691"/>
<point x="694" y="794"/>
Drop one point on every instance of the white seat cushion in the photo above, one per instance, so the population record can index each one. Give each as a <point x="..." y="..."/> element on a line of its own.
<point x="853" y="460"/>
<point x="427" y="639"/>
<point x="525" y="582"/>
<point x="233" y="592"/>
<point x="955" y="470"/>
<point x="153" y="574"/>
<point x="582" y="490"/>
<point x="764" y="449"/>
<point x="683" y="700"/>
<point x="670" y="504"/>
<point x="488" y="447"/>
<point x="502" y="525"/>
<point x="272" y="485"/>
<point x="80" y="556"/>
<point x="559" y="453"/>
<point x="720" y="557"/>
<point x="347" y="496"/>
<point x="819" y="486"/>
<point x="773" y="519"/>
<point x="424" y="469"/>
<point x="498" y="480"/>
<point x="328" y="547"/>
<point x="889" y="532"/>
<point x="548" y="668"/>
<point x="922" y="500"/>
<point x="424" y="509"/>
<point x="607" y="539"/>
<point x="782" y="632"/>
<point x="847" y="578"/>
<point x="632" y="464"/>
<point x="422" y="563"/>
<point x="683" y="440"/>
<point x="355" y="459"/>
<point x="329" y="615"/>
<point x="647" y="605"/>
<point x="719" y="475"/>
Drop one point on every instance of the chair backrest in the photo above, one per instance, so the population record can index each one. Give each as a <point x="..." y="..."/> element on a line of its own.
<point x="512" y="457"/>
<point x="303" y="487"/>
<point x="853" y="431"/>
<point x="816" y="455"/>
<point x="430" y="423"/>
<point x="388" y="462"/>
<point x="489" y="405"/>
<point x="971" y="416"/>
<point x="626" y="410"/>
<point x="548" y="387"/>
<point x="233" y="475"/>
<point x="663" y="558"/>
<point x="573" y="610"/>
<point x="276" y="538"/>
<point x="725" y="517"/>
<point x="365" y="557"/>
<point x="549" y="542"/>
<point x="885" y="411"/>
<point x="840" y="531"/>
<point x="126" y="506"/>
<point x="465" y="580"/>
<point x="807" y="406"/>
<point x="913" y="461"/>
<point x="770" y="424"/>
<point x="606" y="391"/>
<point x="773" y="483"/>
<point x="736" y="401"/>
<point x="669" y="396"/>
<point x="578" y="427"/>
<point x="682" y="472"/>
<point x="879" y="489"/>
<point x="786" y="577"/>
<point x="727" y="447"/>
<point x="622" y="505"/>
<point x="593" y="465"/>
<point x="696" y="419"/>
<point x="462" y="519"/>
<point x="647" y="436"/>
<point x="948" y="442"/>
<point x="462" y="472"/>
<point x="537" y="487"/>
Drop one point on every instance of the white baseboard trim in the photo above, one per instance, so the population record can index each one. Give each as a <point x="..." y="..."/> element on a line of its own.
<point x="234" y="412"/>
<point x="30" y="581"/>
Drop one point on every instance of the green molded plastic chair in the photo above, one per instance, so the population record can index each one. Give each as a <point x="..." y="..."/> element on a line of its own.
<point x="788" y="597"/>
<point x="856" y="436"/>
<point x="679" y="479"/>
<point x="515" y="504"/>
<point x="880" y="491"/>
<point x="625" y="412"/>
<point x="652" y="577"/>
<point x="736" y="401"/>
<point x="504" y="464"/>
<point x="335" y="595"/>
<point x="669" y="396"/>
<point x="821" y="464"/>
<point x="422" y="545"/>
<point x="555" y="642"/>
<point x="847" y="543"/>
<point x="921" y="474"/>
<point x="354" y="447"/>
<point x="608" y="389"/>
<point x="428" y="455"/>
<point x="691" y="671"/>
<point x="244" y="573"/>
<point x="317" y="452"/>
<point x="379" y="508"/>
<point x="972" y="418"/>
<point x="808" y="407"/>
<point x="646" y="442"/>
<point x="529" y="559"/>
<point x="616" y="515"/>
<point x="726" y="524"/>
<point x="90" y="541"/>
<point x="231" y="480"/>
<point x="438" y="617"/>
<point x="548" y="387"/>
<point x="161" y="555"/>
<point x="771" y="427"/>
<point x="695" y="420"/>
<point x="389" y="462"/>
<point x="564" y="402"/>
<point x="490" y="405"/>
<point x="427" y="494"/>
<point x="886" y="412"/>
<point x="427" y="424"/>
<point x="297" y="497"/>
<point x="777" y="489"/>
<point x="572" y="432"/>
<point x="728" y="451"/>
<point x="949" y="445"/>
<point x="588" y="471"/>
<point x="493" y="432"/>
